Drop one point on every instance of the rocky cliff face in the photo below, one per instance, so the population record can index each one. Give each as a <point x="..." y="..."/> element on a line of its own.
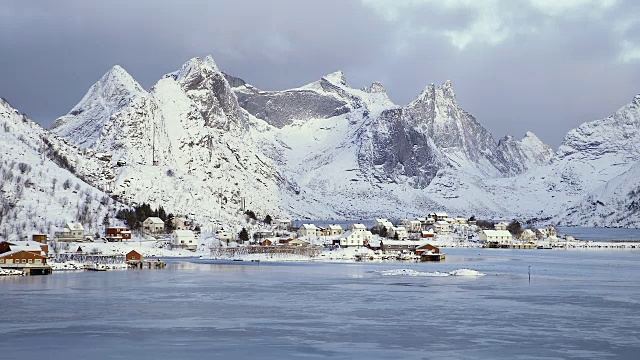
<point x="518" y="156"/>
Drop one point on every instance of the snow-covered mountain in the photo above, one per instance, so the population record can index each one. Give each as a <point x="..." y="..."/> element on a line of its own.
<point x="184" y="144"/>
<point x="114" y="91"/>
<point x="205" y="143"/>
<point x="518" y="156"/>
<point x="324" y="149"/>
<point x="39" y="189"/>
<point x="601" y="158"/>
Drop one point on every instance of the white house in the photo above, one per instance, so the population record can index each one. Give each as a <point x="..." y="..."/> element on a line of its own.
<point x="388" y="225"/>
<point x="185" y="239"/>
<point x="307" y="230"/>
<point x="72" y="231"/>
<point x="224" y="235"/>
<point x="179" y="223"/>
<point x="412" y="225"/>
<point x="153" y="225"/>
<point x="379" y="223"/>
<point x="334" y="230"/>
<point x="500" y="236"/>
<point x="461" y="221"/>
<point x="298" y="242"/>
<point x="502" y="225"/>
<point x="354" y="238"/>
<point x="528" y="235"/>
<point x="400" y="232"/>
<point x="439" y="215"/>
<point x="281" y="224"/>
<point x="358" y="227"/>
<point x="548" y="232"/>
<point x="442" y="227"/>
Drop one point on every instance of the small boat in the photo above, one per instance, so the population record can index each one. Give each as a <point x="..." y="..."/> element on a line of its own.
<point x="97" y="267"/>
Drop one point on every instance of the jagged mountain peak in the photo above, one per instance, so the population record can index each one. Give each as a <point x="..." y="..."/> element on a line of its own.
<point x="376" y="87"/>
<point x="115" y="90"/>
<point x="432" y="91"/>
<point x="196" y="66"/>
<point x="336" y="78"/>
<point x="119" y="77"/>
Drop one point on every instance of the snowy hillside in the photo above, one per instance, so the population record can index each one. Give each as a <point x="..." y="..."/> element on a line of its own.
<point x="37" y="193"/>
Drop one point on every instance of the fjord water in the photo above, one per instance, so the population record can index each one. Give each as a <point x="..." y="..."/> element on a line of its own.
<point x="579" y="304"/>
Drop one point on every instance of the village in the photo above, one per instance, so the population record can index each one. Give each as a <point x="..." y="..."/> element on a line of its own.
<point x="420" y="239"/>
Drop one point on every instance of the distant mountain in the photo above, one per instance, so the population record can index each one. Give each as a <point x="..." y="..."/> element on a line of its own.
<point x="208" y="144"/>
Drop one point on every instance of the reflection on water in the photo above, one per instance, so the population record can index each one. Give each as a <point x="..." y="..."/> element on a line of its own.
<point x="577" y="305"/>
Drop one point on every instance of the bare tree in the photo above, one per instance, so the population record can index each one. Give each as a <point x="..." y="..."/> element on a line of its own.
<point x="24" y="168"/>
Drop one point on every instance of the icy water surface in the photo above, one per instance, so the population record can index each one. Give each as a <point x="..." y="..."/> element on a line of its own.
<point x="578" y="305"/>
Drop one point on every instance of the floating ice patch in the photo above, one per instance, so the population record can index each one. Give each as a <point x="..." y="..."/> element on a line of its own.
<point x="466" y="272"/>
<point x="409" y="272"/>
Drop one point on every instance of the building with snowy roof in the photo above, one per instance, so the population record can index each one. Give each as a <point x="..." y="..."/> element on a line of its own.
<point x="184" y="239"/>
<point x="153" y="225"/>
<point x="308" y="230"/>
<point x="499" y="236"/>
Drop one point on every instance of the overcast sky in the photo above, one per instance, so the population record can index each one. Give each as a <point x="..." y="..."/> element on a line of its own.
<point x="539" y="65"/>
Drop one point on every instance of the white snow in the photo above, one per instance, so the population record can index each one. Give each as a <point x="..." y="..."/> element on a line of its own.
<point x="410" y="272"/>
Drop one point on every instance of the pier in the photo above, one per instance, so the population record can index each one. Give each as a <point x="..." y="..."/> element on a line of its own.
<point x="146" y="264"/>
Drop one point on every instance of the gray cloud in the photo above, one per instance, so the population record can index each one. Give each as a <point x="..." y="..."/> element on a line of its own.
<point x="538" y="65"/>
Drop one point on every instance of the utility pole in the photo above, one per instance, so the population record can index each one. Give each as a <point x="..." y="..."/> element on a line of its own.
<point x="220" y="200"/>
<point x="153" y="147"/>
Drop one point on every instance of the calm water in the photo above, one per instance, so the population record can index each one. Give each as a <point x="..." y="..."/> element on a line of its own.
<point x="600" y="234"/>
<point x="579" y="304"/>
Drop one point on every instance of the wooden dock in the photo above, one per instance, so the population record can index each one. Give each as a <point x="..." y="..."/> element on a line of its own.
<point x="146" y="264"/>
<point x="30" y="269"/>
<point x="432" y="256"/>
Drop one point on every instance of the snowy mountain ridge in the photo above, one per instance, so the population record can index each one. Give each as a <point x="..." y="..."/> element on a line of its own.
<point x="208" y="144"/>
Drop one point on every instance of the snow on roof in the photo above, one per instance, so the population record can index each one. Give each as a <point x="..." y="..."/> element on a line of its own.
<point x="299" y="241"/>
<point x="9" y="253"/>
<point x="442" y="222"/>
<point x="374" y="243"/>
<point x="400" y="242"/>
<point x="381" y="220"/>
<point x="335" y="227"/>
<point x="399" y="228"/>
<point x="155" y="220"/>
<point x="528" y="231"/>
<point x="74" y="226"/>
<point x="441" y="214"/>
<point x="309" y="227"/>
<point x="183" y="233"/>
<point x="497" y="233"/>
<point x="358" y="226"/>
<point x="387" y="224"/>
<point x="26" y="246"/>
<point x="347" y="234"/>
